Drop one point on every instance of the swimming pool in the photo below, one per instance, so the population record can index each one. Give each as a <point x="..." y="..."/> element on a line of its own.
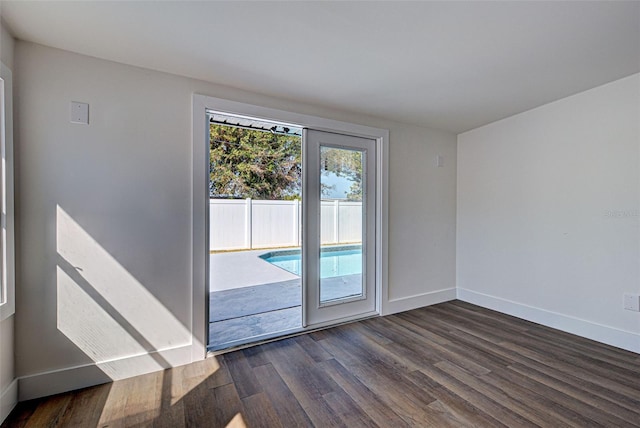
<point x="334" y="261"/>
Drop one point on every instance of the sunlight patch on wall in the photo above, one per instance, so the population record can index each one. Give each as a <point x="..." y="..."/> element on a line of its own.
<point x="105" y="311"/>
<point x="88" y="325"/>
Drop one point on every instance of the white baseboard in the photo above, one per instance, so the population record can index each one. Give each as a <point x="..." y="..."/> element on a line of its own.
<point x="418" y="301"/>
<point x="8" y="399"/>
<point x="594" y="331"/>
<point x="67" y="379"/>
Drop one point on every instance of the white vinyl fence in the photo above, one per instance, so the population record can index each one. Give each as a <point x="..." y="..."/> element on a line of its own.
<point x="238" y="224"/>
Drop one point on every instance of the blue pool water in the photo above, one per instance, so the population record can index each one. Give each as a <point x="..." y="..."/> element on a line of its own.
<point x="333" y="263"/>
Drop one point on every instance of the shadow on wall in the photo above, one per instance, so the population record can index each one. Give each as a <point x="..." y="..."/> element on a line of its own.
<point x="109" y="315"/>
<point x="105" y="311"/>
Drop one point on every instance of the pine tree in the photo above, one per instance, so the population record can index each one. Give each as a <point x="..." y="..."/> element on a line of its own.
<point x="246" y="163"/>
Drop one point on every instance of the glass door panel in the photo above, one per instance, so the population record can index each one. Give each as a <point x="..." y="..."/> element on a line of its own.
<point x="339" y="232"/>
<point x="342" y="192"/>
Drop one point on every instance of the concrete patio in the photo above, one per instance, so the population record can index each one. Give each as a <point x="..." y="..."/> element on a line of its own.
<point x="252" y="299"/>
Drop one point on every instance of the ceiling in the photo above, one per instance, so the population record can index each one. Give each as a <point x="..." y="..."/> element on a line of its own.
<point x="448" y="65"/>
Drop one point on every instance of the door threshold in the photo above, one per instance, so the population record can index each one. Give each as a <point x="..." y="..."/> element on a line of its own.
<point x="254" y="341"/>
<point x="273" y="337"/>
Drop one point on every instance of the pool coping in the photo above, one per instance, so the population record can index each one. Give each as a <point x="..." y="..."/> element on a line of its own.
<point x="290" y="252"/>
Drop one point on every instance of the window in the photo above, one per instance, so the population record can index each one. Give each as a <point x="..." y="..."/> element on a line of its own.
<point x="7" y="268"/>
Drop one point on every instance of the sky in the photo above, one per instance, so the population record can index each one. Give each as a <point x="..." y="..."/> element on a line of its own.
<point x="342" y="185"/>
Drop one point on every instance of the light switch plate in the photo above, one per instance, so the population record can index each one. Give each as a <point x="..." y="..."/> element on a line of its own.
<point x="632" y="302"/>
<point x="79" y="113"/>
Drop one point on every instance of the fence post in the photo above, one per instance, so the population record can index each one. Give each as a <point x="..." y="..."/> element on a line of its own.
<point x="248" y="224"/>
<point x="336" y="220"/>
<point x="300" y="223"/>
<point x="296" y="222"/>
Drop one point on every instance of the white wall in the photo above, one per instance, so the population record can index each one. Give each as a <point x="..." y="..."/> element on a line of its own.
<point x="7" y="45"/>
<point x="105" y="211"/>
<point x="548" y="214"/>
<point x="421" y="208"/>
<point x="8" y="386"/>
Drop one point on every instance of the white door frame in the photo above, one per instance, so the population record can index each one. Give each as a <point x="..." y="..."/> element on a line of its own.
<point x="200" y="195"/>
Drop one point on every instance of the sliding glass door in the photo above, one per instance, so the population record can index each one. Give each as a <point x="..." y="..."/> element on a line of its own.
<point x="290" y="225"/>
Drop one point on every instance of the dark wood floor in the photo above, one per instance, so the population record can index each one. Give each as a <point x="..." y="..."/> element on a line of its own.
<point x="452" y="364"/>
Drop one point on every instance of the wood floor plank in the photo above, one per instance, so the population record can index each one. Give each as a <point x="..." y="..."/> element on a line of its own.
<point x="319" y="334"/>
<point x="462" y="410"/>
<point x="347" y="410"/>
<point x="461" y="354"/>
<point x="371" y="403"/>
<point x="611" y="358"/>
<point x="143" y="399"/>
<point x="299" y="372"/>
<point x="219" y="405"/>
<point x="533" y="414"/>
<point x="242" y="374"/>
<point x="449" y="365"/>
<point x="558" y="339"/>
<point x="611" y="380"/>
<point x="571" y="356"/>
<point x="314" y="350"/>
<point x="114" y="411"/>
<point x="371" y="350"/>
<point x="296" y="367"/>
<point x="176" y="383"/>
<point x="85" y="407"/>
<point x="48" y="413"/>
<point x="472" y="343"/>
<point x="488" y="331"/>
<point x="214" y="371"/>
<point x="402" y="344"/>
<point x="581" y="392"/>
<point x="391" y="385"/>
<point x="374" y="334"/>
<point x="408" y="340"/>
<point x="258" y="411"/>
<point x="564" y="374"/>
<point x="487" y="317"/>
<point x="20" y="415"/>
<point x="255" y="357"/>
<point x="171" y="417"/>
<point x="411" y="321"/>
<point x="486" y="404"/>
<point x="289" y="410"/>
<point x="462" y="343"/>
<point x="533" y="398"/>
<point x="555" y="370"/>
<point x="592" y="346"/>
